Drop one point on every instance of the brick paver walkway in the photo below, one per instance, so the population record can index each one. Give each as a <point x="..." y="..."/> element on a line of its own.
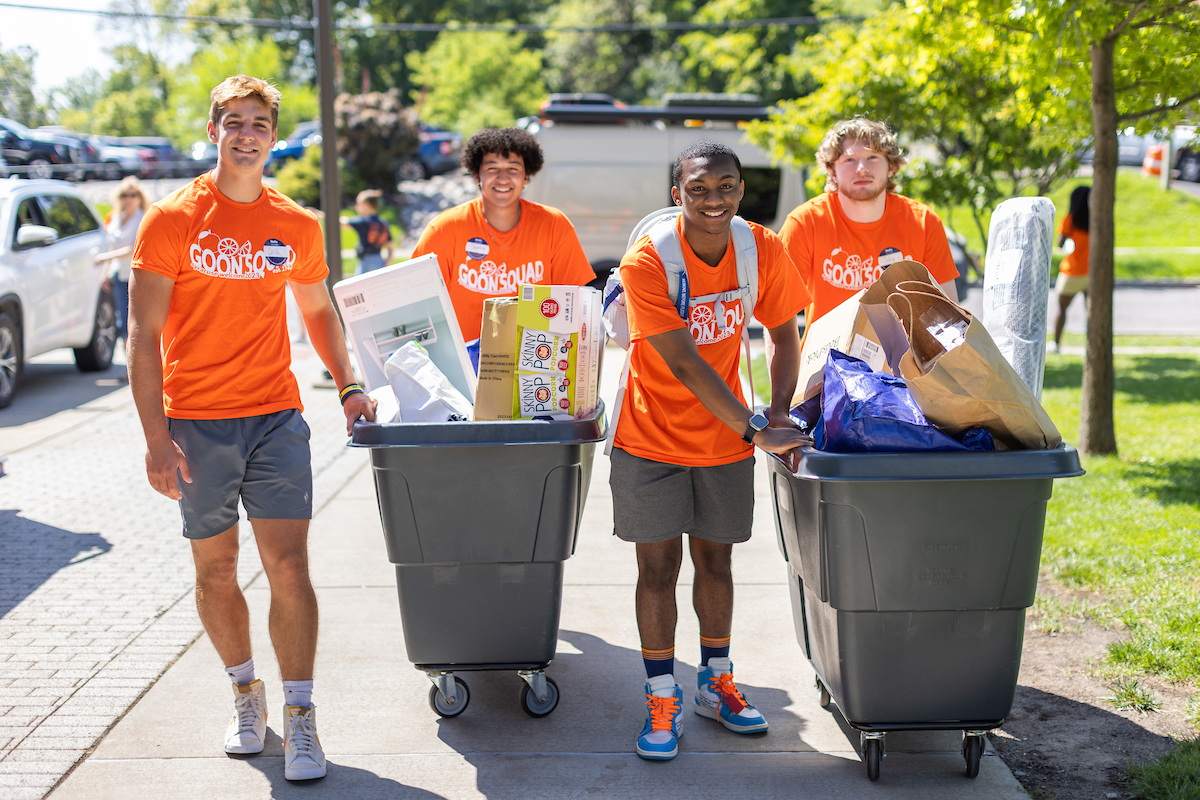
<point x="96" y="581"/>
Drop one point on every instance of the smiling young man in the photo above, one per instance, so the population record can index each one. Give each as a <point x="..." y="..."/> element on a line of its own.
<point x="489" y="246"/>
<point x="683" y="454"/>
<point x="210" y="368"/>
<point x="843" y="239"/>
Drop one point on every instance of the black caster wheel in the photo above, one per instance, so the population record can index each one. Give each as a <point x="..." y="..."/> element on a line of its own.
<point x="825" y="699"/>
<point x="529" y="701"/>
<point x="873" y="754"/>
<point x="972" y="750"/>
<point x="445" y="709"/>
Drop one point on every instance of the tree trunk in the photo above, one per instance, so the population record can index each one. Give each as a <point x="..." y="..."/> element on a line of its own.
<point x="1097" y="434"/>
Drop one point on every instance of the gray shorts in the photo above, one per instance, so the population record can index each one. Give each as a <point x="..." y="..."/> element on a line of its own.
<point x="265" y="460"/>
<point x="655" y="502"/>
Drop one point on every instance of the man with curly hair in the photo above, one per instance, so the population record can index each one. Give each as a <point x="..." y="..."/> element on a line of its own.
<point x="489" y="246"/>
<point x="843" y="239"/>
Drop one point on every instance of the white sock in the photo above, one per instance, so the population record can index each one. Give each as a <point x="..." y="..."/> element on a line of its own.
<point x="662" y="685"/>
<point x="242" y="674"/>
<point x="719" y="665"/>
<point x="297" y="693"/>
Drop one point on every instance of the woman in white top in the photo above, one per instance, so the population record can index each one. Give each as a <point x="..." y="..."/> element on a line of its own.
<point x="129" y="204"/>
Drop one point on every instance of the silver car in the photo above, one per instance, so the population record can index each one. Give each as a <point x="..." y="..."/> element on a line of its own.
<point x="52" y="292"/>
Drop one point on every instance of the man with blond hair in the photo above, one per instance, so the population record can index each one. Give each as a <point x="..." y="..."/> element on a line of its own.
<point x="842" y="240"/>
<point x="210" y="367"/>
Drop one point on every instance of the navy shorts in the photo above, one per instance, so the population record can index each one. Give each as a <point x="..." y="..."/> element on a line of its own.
<point x="655" y="502"/>
<point x="264" y="460"/>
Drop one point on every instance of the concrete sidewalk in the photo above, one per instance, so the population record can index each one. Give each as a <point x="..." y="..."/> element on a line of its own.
<point x="383" y="740"/>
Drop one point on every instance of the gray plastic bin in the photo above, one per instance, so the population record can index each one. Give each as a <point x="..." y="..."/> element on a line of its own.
<point x="478" y="518"/>
<point x="910" y="576"/>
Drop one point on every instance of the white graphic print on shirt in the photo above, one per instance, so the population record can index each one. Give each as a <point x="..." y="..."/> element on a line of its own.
<point x="702" y="322"/>
<point x="239" y="261"/>
<point x="495" y="279"/>
<point x="851" y="271"/>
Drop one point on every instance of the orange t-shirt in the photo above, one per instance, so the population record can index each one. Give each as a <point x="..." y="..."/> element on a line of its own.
<point x="837" y="256"/>
<point x="479" y="262"/>
<point x="661" y="419"/>
<point x="1075" y="263"/>
<point x="226" y="351"/>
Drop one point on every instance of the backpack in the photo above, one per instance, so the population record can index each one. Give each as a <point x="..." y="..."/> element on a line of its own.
<point x="660" y="227"/>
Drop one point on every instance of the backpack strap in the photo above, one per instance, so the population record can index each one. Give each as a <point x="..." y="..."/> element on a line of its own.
<point x="666" y="244"/>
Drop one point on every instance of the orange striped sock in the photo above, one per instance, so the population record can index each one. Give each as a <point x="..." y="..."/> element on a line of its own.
<point x="659" y="662"/>
<point x="713" y="648"/>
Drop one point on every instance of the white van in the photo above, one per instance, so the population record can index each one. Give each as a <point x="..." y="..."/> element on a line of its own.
<point x="608" y="165"/>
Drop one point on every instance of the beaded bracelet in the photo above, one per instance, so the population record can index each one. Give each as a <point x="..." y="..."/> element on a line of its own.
<point x="352" y="388"/>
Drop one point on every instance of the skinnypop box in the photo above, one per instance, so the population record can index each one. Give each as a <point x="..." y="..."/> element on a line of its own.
<point x="558" y="346"/>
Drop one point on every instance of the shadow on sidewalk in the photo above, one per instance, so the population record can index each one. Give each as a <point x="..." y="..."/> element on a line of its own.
<point x="48" y="388"/>
<point x="34" y="552"/>
<point x="342" y="782"/>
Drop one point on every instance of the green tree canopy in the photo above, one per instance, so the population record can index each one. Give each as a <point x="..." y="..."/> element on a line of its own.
<point x="477" y="79"/>
<point x="17" y="98"/>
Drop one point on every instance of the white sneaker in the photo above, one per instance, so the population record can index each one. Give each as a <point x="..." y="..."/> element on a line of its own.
<point x="247" y="731"/>
<point x="303" y="758"/>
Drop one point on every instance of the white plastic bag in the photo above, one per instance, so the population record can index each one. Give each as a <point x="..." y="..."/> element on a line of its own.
<point x="422" y="391"/>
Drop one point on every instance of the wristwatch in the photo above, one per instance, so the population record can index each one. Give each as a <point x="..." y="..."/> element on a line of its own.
<point x="757" y="423"/>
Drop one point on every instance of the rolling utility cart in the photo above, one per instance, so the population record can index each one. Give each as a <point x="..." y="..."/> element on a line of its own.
<point x="479" y="518"/>
<point x="910" y="576"/>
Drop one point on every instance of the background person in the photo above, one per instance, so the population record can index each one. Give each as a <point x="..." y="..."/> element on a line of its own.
<point x="683" y="454"/>
<point x="220" y="407"/>
<point x="489" y="246"/>
<point x="1073" y="269"/>
<point x="843" y="239"/>
<point x="129" y="205"/>
<point x="374" y="233"/>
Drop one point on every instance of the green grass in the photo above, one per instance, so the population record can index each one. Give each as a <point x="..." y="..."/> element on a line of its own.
<point x="1129" y="529"/>
<point x="1137" y="340"/>
<point x="1175" y="776"/>
<point x="1128" y="694"/>
<point x="1145" y="215"/>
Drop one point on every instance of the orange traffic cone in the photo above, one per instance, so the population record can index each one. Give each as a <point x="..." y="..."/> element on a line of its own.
<point x="1152" y="164"/>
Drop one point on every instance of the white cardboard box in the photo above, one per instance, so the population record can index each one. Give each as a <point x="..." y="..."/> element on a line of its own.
<point x="408" y="301"/>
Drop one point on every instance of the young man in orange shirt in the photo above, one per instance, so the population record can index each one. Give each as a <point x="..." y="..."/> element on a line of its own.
<point x="843" y="239"/>
<point x="489" y="246"/>
<point x="683" y="456"/>
<point x="220" y="407"/>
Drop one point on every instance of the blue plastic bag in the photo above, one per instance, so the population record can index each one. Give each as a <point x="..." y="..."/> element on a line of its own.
<point x="863" y="411"/>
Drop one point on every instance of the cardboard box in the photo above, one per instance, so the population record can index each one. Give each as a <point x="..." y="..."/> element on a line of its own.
<point x="405" y="302"/>
<point x="559" y="348"/>
<point x="845" y="328"/>
<point x="497" y="359"/>
<point x="539" y="354"/>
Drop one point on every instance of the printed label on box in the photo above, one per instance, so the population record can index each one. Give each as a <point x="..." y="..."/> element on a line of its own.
<point x="868" y="351"/>
<point x="544" y="395"/>
<point x="541" y="351"/>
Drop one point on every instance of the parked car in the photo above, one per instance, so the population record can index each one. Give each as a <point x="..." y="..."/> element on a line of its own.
<point x="204" y="157"/>
<point x="438" y="151"/>
<point x="159" y="157"/>
<point x="51" y="289"/>
<point x="304" y="136"/>
<point x="88" y="165"/>
<point x="1187" y="153"/>
<point x="120" y="160"/>
<point x="1131" y="149"/>
<point x="37" y="155"/>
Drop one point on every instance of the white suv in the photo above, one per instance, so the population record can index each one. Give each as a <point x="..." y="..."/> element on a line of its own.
<point x="51" y="293"/>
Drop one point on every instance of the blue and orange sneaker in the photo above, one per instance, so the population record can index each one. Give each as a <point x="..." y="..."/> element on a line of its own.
<point x="659" y="739"/>
<point x="717" y="697"/>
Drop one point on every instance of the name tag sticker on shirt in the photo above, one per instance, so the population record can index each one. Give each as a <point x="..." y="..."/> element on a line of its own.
<point x="889" y="256"/>
<point x="276" y="252"/>
<point x="477" y="248"/>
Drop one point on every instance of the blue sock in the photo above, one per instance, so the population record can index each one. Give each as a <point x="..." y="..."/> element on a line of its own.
<point x="713" y="648"/>
<point x="658" y="662"/>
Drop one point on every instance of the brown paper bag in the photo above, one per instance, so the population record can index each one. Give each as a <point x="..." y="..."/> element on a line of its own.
<point x="961" y="380"/>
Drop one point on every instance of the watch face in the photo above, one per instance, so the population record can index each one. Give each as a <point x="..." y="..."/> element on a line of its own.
<point x="759" y="421"/>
